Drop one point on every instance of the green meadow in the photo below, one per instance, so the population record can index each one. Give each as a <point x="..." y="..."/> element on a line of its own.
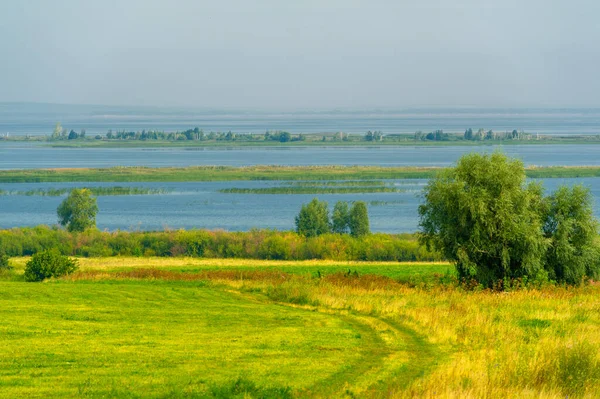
<point x="234" y="328"/>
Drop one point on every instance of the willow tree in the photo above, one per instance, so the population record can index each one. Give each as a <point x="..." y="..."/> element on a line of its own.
<point x="484" y="216"/>
<point x="570" y="226"/>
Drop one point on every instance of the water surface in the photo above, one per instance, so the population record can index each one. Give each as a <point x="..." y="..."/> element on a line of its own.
<point x="200" y="205"/>
<point x="26" y="156"/>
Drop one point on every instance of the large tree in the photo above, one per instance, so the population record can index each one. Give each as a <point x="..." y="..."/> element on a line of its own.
<point x="313" y="219"/>
<point x="485" y="217"/>
<point x="570" y="226"/>
<point x="78" y="211"/>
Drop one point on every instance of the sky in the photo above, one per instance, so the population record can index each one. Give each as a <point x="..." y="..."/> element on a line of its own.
<point x="292" y="54"/>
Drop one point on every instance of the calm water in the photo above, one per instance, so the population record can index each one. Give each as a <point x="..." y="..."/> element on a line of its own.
<point x="39" y="119"/>
<point x="200" y="205"/>
<point x="17" y="156"/>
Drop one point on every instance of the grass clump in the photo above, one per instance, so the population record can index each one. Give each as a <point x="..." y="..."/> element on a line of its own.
<point x="244" y="388"/>
<point x="4" y="262"/>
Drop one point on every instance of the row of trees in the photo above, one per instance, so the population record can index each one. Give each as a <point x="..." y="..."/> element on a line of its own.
<point x="481" y="135"/>
<point x="195" y="134"/>
<point x="437" y="135"/>
<point x="377" y="135"/>
<point x="313" y="219"/>
<point x="497" y="227"/>
<point x="60" y="133"/>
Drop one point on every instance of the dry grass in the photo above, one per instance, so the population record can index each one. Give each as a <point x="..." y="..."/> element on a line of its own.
<point x="116" y="262"/>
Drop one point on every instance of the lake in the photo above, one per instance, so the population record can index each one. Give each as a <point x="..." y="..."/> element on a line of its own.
<point x="200" y="205"/>
<point x="25" y="155"/>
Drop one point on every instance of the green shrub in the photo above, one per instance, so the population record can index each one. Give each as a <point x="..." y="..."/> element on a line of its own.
<point x="255" y="244"/>
<point x="274" y="247"/>
<point x="49" y="264"/>
<point x="4" y="263"/>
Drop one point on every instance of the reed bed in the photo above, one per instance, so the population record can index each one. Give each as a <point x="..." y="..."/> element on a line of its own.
<point x="98" y="191"/>
<point x="259" y="172"/>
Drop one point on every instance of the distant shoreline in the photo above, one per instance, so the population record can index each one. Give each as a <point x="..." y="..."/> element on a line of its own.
<point x="308" y="140"/>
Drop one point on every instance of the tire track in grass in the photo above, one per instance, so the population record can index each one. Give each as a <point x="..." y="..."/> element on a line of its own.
<point x="393" y="356"/>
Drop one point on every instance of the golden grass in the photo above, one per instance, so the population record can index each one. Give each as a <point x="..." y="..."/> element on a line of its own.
<point x="539" y="343"/>
<point x="110" y="263"/>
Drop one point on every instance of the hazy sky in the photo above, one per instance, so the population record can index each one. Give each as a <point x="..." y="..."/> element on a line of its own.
<point x="302" y="53"/>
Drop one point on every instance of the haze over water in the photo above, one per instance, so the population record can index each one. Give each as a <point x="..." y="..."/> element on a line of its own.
<point x="39" y="119"/>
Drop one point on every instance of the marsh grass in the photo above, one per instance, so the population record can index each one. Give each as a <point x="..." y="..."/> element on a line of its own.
<point x="312" y="190"/>
<point x="349" y="183"/>
<point x="259" y="172"/>
<point x="98" y="191"/>
<point x="324" y="187"/>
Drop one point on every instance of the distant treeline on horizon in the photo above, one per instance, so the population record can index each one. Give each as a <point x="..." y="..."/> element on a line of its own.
<point x="197" y="134"/>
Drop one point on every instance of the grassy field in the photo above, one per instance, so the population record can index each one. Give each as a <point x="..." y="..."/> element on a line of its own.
<point x="226" y="173"/>
<point x="182" y="327"/>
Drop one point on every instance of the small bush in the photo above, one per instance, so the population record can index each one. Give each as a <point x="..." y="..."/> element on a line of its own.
<point x="49" y="264"/>
<point x="4" y="264"/>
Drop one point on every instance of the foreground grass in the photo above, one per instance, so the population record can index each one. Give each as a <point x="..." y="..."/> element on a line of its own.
<point x="183" y="327"/>
<point x="226" y="173"/>
<point x="141" y="339"/>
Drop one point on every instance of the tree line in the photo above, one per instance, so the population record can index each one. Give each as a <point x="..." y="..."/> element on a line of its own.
<point x="371" y="136"/>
